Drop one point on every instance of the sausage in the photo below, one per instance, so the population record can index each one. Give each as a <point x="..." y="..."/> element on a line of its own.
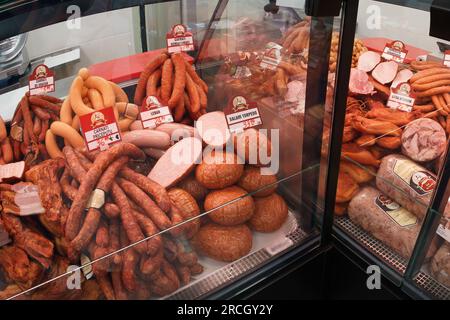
<point x="73" y="163"/>
<point x="110" y="173"/>
<point x="102" y="235"/>
<point x="96" y="99"/>
<point x="176" y="131"/>
<point x="111" y="210"/>
<point x="51" y="99"/>
<point x="150" y="265"/>
<point x="7" y="151"/>
<point x="178" y="161"/>
<point x="121" y="96"/>
<point x="179" y="81"/>
<point x="407" y="183"/>
<point x="84" y="73"/>
<point x="102" y="161"/>
<point x="179" y="111"/>
<point x="193" y="94"/>
<point x="129" y="223"/>
<point x="114" y="237"/>
<point x="136" y="125"/>
<point x="51" y="145"/>
<point x="36" y="126"/>
<point x="106" y="286"/>
<point x="434" y="91"/>
<point x="65" y="113"/>
<point x="130" y="260"/>
<point x="61" y="129"/>
<point x="386" y="220"/>
<point x="155" y="190"/>
<point x="152" y="82"/>
<point x="147" y="138"/>
<point x="67" y="189"/>
<point x="389" y="142"/>
<point x="148" y="206"/>
<point x="119" y="291"/>
<point x="75" y="97"/>
<point x="103" y="86"/>
<point x="3" y="132"/>
<point x="429" y="72"/>
<point x="28" y="120"/>
<point x="154" y="153"/>
<point x="142" y="82"/>
<point x="40" y="113"/>
<point x="191" y="72"/>
<point x="166" y="80"/>
<point x="35" y="100"/>
<point x="154" y="244"/>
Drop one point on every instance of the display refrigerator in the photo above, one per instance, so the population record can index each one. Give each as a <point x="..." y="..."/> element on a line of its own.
<point x="392" y="201"/>
<point x="205" y="149"/>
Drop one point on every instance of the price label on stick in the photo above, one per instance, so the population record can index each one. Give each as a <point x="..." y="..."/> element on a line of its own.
<point x="242" y="114"/>
<point x="100" y="129"/>
<point x="272" y="56"/>
<point x="41" y="80"/>
<point x="395" y="51"/>
<point x="154" y="113"/>
<point x="402" y="97"/>
<point x="178" y="39"/>
<point x="447" y="58"/>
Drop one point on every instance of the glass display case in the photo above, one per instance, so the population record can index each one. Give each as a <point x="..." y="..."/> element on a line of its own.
<point x="155" y="149"/>
<point x="393" y="179"/>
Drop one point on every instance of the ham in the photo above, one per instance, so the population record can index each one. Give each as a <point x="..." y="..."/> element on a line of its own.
<point x="177" y="162"/>
<point x="385" y="72"/>
<point x="368" y="61"/>
<point x="12" y="172"/>
<point x="359" y="82"/>
<point x="402" y="76"/>
<point x="22" y="200"/>
<point x="423" y="140"/>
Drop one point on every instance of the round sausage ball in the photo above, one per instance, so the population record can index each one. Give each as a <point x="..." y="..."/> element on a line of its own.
<point x="254" y="147"/>
<point x="188" y="209"/>
<point x="194" y="188"/>
<point x="223" y="243"/>
<point x="219" y="170"/>
<point x="252" y="180"/>
<point x="230" y="214"/>
<point x="270" y="213"/>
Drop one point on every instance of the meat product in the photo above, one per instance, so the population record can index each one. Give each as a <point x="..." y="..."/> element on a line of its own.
<point x="223" y="243"/>
<point x="270" y="213"/>
<point x="346" y="188"/>
<point x="440" y="265"/>
<point x="423" y="140"/>
<point x="219" y="170"/>
<point x="213" y="128"/>
<point x="177" y="162"/>
<point x="358" y="173"/>
<point x="385" y="72"/>
<point x="147" y="138"/>
<point x="385" y="220"/>
<point x="368" y="61"/>
<point x="402" y="76"/>
<point x="194" y="188"/>
<point x="16" y="264"/>
<point x="407" y="183"/>
<point x="229" y="214"/>
<point x="253" y="146"/>
<point x="359" y="154"/>
<point x="154" y="153"/>
<point x="359" y="82"/>
<point x="253" y="180"/>
<point x="22" y="200"/>
<point x="188" y="209"/>
<point x="176" y="131"/>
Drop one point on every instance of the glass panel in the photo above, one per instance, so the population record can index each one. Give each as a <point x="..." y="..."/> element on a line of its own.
<point x="175" y="210"/>
<point x="395" y="133"/>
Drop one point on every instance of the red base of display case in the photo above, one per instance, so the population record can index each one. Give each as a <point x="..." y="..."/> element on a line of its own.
<point x="126" y="68"/>
<point x="378" y="44"/>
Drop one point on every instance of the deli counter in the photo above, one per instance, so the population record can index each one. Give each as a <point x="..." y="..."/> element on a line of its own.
<point x="197" y="149"/>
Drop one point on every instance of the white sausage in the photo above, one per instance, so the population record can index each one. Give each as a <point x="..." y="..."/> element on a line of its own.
<point x="147" y="139"/>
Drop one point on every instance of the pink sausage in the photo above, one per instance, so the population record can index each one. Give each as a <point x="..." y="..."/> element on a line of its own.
<point x="147" y="139"/>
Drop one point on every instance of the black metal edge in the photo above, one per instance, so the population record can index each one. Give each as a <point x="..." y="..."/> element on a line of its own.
<point x="415" y="292"/>
<point x="362" y="260"/>
<point x="216" y="16"/>
<point x="277" y="267"/>
<point x="24" y="16"/>
<point x="342" y="238"/>
<point x="316" y="89"/>
<point x="434" y="214"/>
<point x="344" y="65"/>
<point x="143" y="28"/>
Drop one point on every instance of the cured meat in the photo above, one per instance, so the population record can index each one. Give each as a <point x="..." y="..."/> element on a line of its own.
<point x="13" y="172"/>
<point x="213" y="128"/>
<point x="385" y="72"/>
<point x="22" y="200"/>
<point x="402" y="76"/>
<point x="423" y="140"/>
<point x="440" y="264"/>
<point x="368" y="61"/>
<point x="407" y="183"/>
<point x="386" y="220"/>
<point x="177" y="162"/>
<point x="359" y="82"/>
